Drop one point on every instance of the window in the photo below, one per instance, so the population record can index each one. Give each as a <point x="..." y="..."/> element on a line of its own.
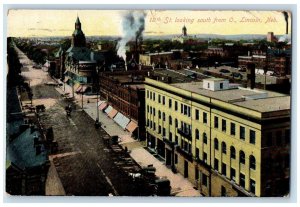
<point x="150" y="95"/>
<point x="204" y="138"/>
<point x="197" y="114"/>
<point x="216" y="144"/>
<point x="154" y="126"/>
<point x="163" y="100"/>
<point x="153" y="96"/>
<point x="223" y="191"/>
<point x="164" y="116"/>
<point x="176" y="140"/>
<point x="176" y="106"/>
<point x="147" y="93"/>
<point x="153" y="111"/>
<point x="224" y="147"/>
<point x="242" y="157"/>
<point x="148" y="108"/>
<point x="204" y="180"/>
<point x="148" y="121"/>
<point x="197" y="152"/>
<point x="252" y="136"/>
<point x="278" y="138"/>
<point x="287" y="136"/>
<point x="223" y="125"/>
<point x="216" y="164"/>
<point x="196" y="173"/>
<point x="181" y="108"/>
<point x="223" y="169"/>
<point x="159" y="100"/>
<point x="232" y="128"/>
<point x="232" y="174"/>
<point x="252" y="186"/>
<point x="242" y="180"/>
<point x="221" y="85"/>
<point x="170" y="120"/>
<point x="151" y="124"/>
<point x="252" y="162"/>
<point x="232" y="152"/>
<point x="159" y="129"/>
<point x="205" y="157"/>
<point x="242" y="133"/>
<point x="159" y="114"/>
<point x="170" y="103"/>
<point x="197" y="133"/>
<point x="208" y="85"/>
<point x="216" y="122"/>
<point x="170" y="136"/>
<point x="204" y="117"/>
<point x="269" y="139"/>
<point x="176" y="123"/>
<point x="164" y="132"/>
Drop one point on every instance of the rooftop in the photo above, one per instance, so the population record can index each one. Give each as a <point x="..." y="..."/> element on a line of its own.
<point x="272" y="102"/>
<point x="22" y="153"/>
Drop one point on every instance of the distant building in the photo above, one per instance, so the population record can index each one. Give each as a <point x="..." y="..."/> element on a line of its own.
<point x="81" y="63"/>
<point x="124" y="91"/>
<point x="27" y="161"/>
<point x="164" y="59"/>
<point x="185" y="38"/>
<point x="271" y="37"/>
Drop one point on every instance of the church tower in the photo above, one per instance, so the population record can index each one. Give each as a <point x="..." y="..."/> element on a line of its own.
<point x="78" y="37"/>
<point x="184" y="31"/>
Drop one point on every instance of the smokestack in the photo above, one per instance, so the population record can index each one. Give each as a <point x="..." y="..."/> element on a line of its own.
<point x="286" y="17"/>
<point x="133" y="25"/>
<point x="251" y="75"/>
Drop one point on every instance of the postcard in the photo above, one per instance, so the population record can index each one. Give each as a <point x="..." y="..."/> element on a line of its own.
<point x="177" y="103"/>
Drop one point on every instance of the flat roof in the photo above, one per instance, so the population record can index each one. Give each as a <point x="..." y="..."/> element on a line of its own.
<point x="273" y="102"/>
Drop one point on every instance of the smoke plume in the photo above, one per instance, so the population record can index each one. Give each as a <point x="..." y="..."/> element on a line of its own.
<point x="133" y="25"/>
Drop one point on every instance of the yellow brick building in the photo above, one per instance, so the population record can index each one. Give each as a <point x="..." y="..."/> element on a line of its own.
<point x="227" y="140"/>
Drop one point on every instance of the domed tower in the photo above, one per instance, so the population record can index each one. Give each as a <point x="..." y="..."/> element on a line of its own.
<point x="78" y="37"/>
<point x="184" y="31"/>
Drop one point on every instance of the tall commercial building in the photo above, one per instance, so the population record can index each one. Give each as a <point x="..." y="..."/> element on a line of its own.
<point x="227" y="140"/>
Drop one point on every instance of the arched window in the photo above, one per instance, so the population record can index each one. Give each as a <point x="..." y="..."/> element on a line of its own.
<point x="170" y="120"/>
<point x="252" y="162"/>
<point x="224" y="147"/>
<point x="242" y="157"/>
<point x="232" y="152"/>
<point x="197" y="133"/>
<point x="216" y="142"/>
<point x="204" y="138"/>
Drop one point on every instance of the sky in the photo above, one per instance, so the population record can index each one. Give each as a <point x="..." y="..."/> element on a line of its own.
<point x="31" y="23"/>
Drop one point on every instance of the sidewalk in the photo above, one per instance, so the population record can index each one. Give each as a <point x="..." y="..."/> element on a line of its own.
<point x="180" y="186"/>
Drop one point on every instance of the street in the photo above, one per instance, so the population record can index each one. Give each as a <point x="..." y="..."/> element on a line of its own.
<point x="84" y="165"/>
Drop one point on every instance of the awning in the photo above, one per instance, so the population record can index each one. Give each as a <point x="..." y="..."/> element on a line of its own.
<point x="76" y="86"/>
<point x="78" y="90"/>
<point x="81" y="89"/>
<point x="112" y="113"/>
<point x="66" y="79"/>
<point x="131" y="126"/>
<point x="108" y="109"/>
<point x="100" y="102"/>
<point x="103" y="106"/>
<point x="121" y="120"/>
